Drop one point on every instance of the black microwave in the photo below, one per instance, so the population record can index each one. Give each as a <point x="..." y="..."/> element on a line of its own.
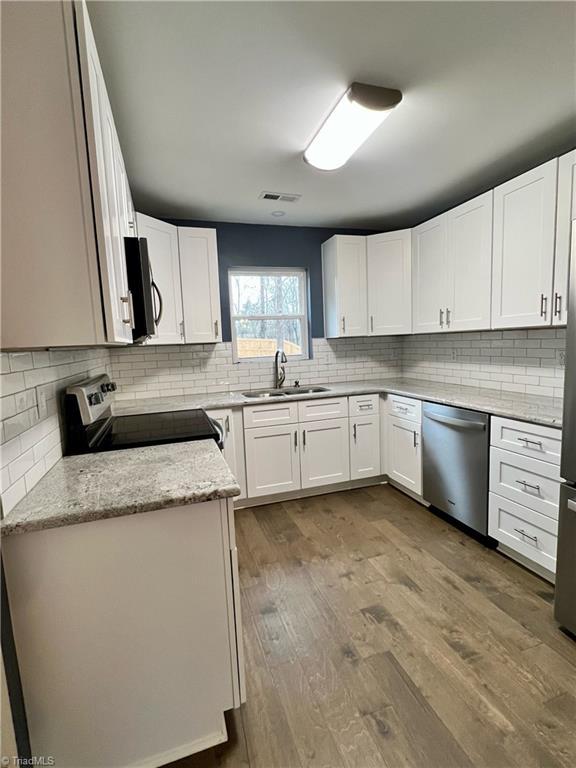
<point x="146" y="298"/>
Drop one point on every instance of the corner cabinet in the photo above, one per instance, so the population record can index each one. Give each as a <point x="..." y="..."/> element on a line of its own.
<point x="523" y="249"/>
<point x="67" y="268"/>
<point x="344" y="282"/>
<point x="200" y="285"/>
<point x="389" y="283"/>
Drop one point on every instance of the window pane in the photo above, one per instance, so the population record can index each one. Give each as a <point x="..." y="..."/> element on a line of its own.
<point x="265" y="294"/>
<point x="261" y="338"/>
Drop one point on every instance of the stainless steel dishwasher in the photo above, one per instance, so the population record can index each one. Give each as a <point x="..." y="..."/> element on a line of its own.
<point x="455" y="448"/>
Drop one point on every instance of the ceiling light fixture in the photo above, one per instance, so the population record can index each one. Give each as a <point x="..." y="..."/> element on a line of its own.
<point x="356" y="116"/>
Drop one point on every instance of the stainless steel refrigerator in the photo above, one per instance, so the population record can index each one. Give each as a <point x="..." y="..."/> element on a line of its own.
<point x="565" y="599"/>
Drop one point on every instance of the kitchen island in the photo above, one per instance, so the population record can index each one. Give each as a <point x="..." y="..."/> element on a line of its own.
<point x="121" y="571"/>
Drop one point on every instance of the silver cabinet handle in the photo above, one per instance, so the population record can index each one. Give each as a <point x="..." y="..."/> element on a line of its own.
<point x="304" y="438"/>
<point x="365" y="407"/>
<point x="522" y="532"/>
<point x="415" y="439"/>
<point x="543" y="305"/>
<point x="128" y="300"/>
<point x="355" y="433"/>
<point x="372" y="323"/>
<point x="448" y="317"/>
<point x="343" y="324"/>
<point x="216" y="328"/>
<point x="530" y="442"/>
<point x="441" y="318"/>
<point x="296" y="438"/>
<point x="525" y="485"/>
<point x="402" y="408"/>
<point x="557" y="305"/>
<point x="181" y="329"/>
<point x="227" y="424"/>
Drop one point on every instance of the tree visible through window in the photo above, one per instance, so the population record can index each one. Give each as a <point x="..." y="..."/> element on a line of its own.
<point x="268" y="311"/>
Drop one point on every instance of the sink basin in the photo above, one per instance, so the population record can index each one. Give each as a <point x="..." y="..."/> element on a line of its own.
<point x="304" y="390"/>
<point x="263" y="394"/>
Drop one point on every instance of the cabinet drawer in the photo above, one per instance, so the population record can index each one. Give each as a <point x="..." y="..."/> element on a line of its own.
<point x="523" y="530"/>
<point x="532" y="440"/>
<point x="270" y="415"/>
<point x="363" y="405"/>
<point x="405" y="408"/>
<point x="323" y="408"/>
<point x="532" y="483"/>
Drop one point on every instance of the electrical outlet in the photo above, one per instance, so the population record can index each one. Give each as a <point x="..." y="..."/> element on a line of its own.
<point x="561" y="357"/>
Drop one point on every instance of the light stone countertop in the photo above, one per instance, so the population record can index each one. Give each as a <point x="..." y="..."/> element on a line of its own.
<point x="513" y="405"/>
<point x="94" y="486"/>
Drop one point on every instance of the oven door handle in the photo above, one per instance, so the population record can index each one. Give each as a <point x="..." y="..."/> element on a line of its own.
<point x="220" y="429"/>
<point x="460" y="423"/>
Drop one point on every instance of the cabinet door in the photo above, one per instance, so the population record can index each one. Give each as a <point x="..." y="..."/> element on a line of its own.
<point x="107" y="182"/>
<point x="523" y="249"/>
<point x="325" y="453"/>
<point x="165" y="263"/>
<point x="404" y="454"/>
<point x="272" y="460"/>
<point x="429" y="276"/>
<point x="233" y="450"/>
<point x="200" y="285"/>
<point x="364" y="446"/>
<point x="470" y="265"/>
<point x="389" y="278"/>
<point x="565" y="216"/>
<point x="351" y="280"/>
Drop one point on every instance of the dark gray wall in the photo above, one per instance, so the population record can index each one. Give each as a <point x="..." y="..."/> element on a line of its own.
<point x="261" y="245"/>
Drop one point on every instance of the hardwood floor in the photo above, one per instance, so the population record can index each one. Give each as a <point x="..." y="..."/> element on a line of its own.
<point x="376" y="634"/>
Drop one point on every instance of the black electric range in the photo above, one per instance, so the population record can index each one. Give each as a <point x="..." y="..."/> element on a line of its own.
<point x="91" y="427"/>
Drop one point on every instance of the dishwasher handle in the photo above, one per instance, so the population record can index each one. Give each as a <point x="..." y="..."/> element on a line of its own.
<point x="453" y="422"/>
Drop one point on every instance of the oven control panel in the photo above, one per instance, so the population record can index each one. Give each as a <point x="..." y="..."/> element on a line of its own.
<point x="94" y="397"/>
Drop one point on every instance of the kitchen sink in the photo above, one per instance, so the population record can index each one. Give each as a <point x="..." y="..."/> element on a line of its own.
<point x="263" y="394"/>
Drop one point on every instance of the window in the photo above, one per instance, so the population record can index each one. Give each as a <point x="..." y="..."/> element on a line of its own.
<point x="268" y="311"/>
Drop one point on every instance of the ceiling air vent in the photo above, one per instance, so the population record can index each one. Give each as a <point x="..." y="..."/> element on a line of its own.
<point x="280" y="197"/>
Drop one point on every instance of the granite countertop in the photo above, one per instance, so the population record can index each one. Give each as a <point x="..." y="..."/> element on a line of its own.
<point x="513" y="405"/>
<point x="80" y="489"/>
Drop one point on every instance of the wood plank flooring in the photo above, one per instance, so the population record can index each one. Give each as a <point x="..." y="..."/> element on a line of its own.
<point x="377" y="634"/>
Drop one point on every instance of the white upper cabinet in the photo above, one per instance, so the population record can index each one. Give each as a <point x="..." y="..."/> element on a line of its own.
<point x="523" y="249"/>
<point x="109" y="185"/>
<point x="164" y="257"/>
<point x="565" y="216"/>
<point x="469" y="266"/>
<point x="430" y="284"/>
<point x="389" y="275"/>
<point x="344" y="281"/>
<point x="200" y="285"/>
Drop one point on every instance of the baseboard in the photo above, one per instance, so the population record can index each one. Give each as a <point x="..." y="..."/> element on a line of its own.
<point x="412" y="495"/>
<point x="305" y="493"/>
<point x="539" y="570"/>
<point x="178" y="753"/>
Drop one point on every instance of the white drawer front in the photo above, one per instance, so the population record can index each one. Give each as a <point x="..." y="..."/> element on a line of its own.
<point x="523" y="530"/>
<point x="405" y="408"/>
<point x="532" y="440"/>
<point x="323" y="408"/>
<point x="532" y="483"/>
<point x="363" y="405"/>
<point x="270" y="415"/>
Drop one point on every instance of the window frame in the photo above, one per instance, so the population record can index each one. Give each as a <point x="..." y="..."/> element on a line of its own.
<point x="304" y="317"/>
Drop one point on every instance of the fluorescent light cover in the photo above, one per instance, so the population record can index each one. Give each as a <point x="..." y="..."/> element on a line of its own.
<point x="346" y="128"/>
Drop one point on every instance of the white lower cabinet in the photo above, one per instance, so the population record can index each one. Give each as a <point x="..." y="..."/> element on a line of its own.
<point x="325" y="452"/>
<point x="364" y="446"/>
<point x="272" y="460"/>
<point x="233" y="451"/>
<point x="405" y="454"/>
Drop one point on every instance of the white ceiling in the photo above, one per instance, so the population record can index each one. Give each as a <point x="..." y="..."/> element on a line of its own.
<point x="216" y="101"/>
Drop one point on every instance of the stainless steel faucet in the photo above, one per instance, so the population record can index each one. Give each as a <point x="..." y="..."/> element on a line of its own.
<point x="279" y="370"/>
